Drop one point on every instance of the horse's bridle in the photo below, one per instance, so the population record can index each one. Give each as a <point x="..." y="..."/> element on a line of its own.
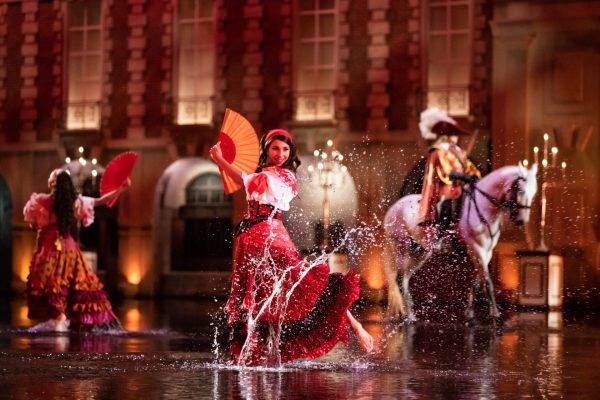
<point x="511" y="204"/>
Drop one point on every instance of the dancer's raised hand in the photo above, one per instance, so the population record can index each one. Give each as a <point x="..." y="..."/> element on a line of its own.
<point x="215" y="152"/>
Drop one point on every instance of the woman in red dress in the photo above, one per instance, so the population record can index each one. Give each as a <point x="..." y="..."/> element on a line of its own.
<point x="281" y="307"/>
<point x="61" y="287"/>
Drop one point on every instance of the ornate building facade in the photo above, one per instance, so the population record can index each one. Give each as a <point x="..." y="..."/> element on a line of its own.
<point x="155" y="76"/>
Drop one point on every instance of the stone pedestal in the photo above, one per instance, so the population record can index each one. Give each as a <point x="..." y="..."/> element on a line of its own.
<point x="540" y="279"/>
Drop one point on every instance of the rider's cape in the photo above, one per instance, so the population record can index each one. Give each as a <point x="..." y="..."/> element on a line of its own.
<point x="437" y="185"/>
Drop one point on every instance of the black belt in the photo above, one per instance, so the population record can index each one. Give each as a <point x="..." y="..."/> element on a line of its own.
<point x="256" y="214"/>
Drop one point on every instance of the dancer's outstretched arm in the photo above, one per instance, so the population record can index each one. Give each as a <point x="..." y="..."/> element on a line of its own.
<point x="217" y="155"/>
<point x="364" y="338"/>
<point x="111" y="195"/>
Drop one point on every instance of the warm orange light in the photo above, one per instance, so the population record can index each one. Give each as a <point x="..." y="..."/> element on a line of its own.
<point x="372" y="268"/>
<point x="509" y="273"/>
<point x="132" y="319"/>
<point x="509" y="348"/>
<point x="23" y="267"/>
<point x="19" y="315"/>
<point x="133" y="275"/>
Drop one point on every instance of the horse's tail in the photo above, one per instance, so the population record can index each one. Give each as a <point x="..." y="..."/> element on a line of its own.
<point x="396" y="307"/>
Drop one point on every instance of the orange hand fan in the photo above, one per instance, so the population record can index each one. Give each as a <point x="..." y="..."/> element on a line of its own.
<point x="116" y="173"/>
<point x="240" y="147"/>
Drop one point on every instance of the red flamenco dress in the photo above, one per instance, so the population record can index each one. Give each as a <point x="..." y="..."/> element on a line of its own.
<point x="60" y="281"/>
<point x="281" y="308"/>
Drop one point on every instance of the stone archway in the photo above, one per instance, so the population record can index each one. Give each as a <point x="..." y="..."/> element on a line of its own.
<point x="178" y="215"/>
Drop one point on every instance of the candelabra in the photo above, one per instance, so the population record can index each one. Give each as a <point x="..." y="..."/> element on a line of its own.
<point x="327" y="164"/>
<point x="82" y="169"/>
<point x="548" y="173"/>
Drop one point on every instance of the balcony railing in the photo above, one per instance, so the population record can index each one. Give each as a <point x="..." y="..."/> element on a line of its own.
<point x="314" y="106"/>
<point x="194" y="110"/>
<point x="455" y="100"/>
<point x="83" y="115"/>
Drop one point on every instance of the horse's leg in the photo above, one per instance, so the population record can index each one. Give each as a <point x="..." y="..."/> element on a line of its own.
<point x="484" y="259"/>
<point x="494" y="312"/>
<point x="396" y="305"/>
<point x="410" y="267"/>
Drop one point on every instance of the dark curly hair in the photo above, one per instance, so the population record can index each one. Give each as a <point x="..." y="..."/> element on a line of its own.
<point x="62" y="204"/>
<point x="292" y="163"/>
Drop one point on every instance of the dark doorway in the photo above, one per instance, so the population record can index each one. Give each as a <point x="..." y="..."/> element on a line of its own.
<point x="202" y="236"/>
<point x="5" y="236"/>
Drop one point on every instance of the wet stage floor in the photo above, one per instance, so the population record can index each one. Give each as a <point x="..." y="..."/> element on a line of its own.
<point x="171" y="351"/>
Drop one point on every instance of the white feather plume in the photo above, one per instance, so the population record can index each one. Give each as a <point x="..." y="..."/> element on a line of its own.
<point x="429" y="118"/>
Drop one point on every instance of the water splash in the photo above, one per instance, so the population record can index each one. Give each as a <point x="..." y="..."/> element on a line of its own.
<point x="273" y="303"/>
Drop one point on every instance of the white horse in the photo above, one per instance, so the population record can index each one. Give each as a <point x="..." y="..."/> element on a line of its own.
<point x="507" y="191"/>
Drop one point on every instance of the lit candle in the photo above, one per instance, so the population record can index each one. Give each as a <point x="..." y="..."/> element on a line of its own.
<point x="330" y="143"/>
<point x="536" y="150"/>
<point x="546" y="137"/>
<point x="525" y="163"/>
<point x="563" y="167"/>
<point x="554" y="153"/>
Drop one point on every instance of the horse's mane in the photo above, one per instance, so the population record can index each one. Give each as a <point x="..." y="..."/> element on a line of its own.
<point x="503" y="175"/>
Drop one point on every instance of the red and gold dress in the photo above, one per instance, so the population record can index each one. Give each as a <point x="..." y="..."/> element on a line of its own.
<point x="281" y="307"/>
<point x="60" y="281"/>
<point x="438" y="186"/>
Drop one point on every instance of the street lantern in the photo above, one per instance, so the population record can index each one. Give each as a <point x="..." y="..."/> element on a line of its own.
<point x="327" y="164"/>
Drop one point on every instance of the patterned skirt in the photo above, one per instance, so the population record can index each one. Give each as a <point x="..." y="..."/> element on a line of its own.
<point x="60" y="281"/>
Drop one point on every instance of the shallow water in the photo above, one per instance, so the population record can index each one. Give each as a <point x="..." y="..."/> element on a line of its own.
<point x="169" y="353"/>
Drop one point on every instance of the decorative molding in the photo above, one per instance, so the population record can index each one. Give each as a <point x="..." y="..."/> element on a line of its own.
<point x="136" y="66"/>
<point x="29" y="69"/>
<point x="378" y="75"/>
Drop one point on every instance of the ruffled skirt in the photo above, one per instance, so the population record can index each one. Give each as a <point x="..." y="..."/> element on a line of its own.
<point x="61" y="282"/>
<point x="282" y="308"/>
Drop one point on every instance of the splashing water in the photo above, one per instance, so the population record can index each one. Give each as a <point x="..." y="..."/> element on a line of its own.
<point x="273" y="302"/>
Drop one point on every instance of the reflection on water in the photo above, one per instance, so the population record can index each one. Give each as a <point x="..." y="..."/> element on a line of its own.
<point x="167" y="354"/>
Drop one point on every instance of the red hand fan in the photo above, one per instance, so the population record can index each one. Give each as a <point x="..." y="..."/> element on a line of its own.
<point x="240" y="147"/>
<point x="116" y="173"/>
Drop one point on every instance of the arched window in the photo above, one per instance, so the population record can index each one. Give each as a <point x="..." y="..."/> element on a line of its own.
<point x="206" y="190"/>
<point x="207" y="230"/>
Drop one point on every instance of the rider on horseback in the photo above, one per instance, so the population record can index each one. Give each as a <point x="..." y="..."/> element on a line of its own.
<point x="446" y="171"/>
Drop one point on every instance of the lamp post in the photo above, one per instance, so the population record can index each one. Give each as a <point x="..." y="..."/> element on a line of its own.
<point x="327" y="166"/>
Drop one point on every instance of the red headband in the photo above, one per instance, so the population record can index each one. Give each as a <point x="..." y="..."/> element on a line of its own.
<point x="281" y="132"/>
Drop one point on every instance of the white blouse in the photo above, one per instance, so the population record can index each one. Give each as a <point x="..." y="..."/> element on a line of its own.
<point x="280" y="187"/>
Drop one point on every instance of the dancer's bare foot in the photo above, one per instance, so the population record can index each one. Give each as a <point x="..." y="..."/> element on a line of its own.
<point x="364" y="338"/>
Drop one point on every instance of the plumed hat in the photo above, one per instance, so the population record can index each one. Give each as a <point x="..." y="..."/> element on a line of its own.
<point x="435" y="122"/>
